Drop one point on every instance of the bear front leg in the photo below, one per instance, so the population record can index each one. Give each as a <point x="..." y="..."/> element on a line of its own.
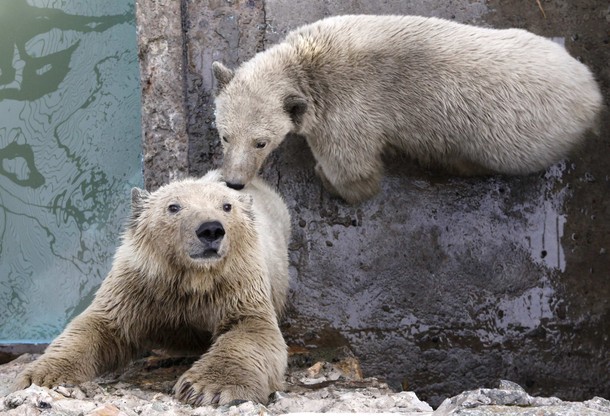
<point x="245" y="363"/>
<point x="87" y="348"/>
<point x="352" y="187"/>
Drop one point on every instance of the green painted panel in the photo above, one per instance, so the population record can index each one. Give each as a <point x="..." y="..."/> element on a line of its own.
<point x="70" y="151"/>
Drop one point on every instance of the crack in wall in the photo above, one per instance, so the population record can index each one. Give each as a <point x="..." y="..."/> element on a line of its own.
<point x="263" y="41"/>
<point x="184" y="26"/>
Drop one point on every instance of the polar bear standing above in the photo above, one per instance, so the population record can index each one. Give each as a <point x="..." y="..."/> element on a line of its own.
<point x="200" y="264"/>
<point x="471" y="99"/>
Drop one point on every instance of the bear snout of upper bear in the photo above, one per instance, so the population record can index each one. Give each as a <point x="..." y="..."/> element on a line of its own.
<point x="236" y="186"/>
<point x="236" y="173"/>
<point x="210" y="234"/>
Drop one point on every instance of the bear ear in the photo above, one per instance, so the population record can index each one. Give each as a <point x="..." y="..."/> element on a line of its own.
<point x="222" y="74"/>
<point x="212" y="176"/>
<point x="295" y="106"/>
<point x="138" y="196"/>
<point x="247" y="200"/>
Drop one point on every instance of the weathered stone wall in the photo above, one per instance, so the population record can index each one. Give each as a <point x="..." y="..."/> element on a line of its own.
<point x="236" y="30"/>
<point x="440" y="284"/>
<point x="164" y="129"/>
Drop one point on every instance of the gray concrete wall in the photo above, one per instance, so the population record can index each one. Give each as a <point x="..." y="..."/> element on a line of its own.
<point x="161" y="46"/>
<point x="439" y="284"/>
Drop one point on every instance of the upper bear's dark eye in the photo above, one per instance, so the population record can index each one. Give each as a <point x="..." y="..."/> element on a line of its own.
<point x="226" y="207"/>
<point x="224" y="139"/>
<point x="260" y="145"/>
<point x="173" y="208"/>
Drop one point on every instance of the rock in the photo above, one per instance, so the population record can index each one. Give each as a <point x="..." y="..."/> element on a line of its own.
<point x="27" y="410"/>
<point x="39" y="397"/>
<point x="324" y="387"/>
<point x="344" y="400"/>
<point x="107" y="410"/>
<point x="320" y="372"/>
<point x="510" y="397"/>
<point x="350" y="368"/>
<point x="599" y="404"/>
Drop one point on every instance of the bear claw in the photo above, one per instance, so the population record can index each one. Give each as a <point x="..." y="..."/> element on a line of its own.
<point x="202" y="394"/>
<point x="183" y="388"/>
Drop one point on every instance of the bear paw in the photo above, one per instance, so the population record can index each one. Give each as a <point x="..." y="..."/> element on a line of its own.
<point x="200" y="390"/>
<point x="44" y="374"/>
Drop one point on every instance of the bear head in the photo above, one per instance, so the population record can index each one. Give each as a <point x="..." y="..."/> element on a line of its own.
<point x="255" y="110"/>
<point x="190" y="224"/>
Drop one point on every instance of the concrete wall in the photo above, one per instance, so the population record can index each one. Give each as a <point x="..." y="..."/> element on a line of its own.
<point x="439" y="283"/>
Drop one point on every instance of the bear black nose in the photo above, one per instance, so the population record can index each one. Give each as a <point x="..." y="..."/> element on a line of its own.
<point x="236" y="186"/>
<point x="210" y="231"/>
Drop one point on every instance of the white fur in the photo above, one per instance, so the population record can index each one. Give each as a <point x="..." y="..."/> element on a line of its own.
<point x="162" y="291"/>
<point x="474" y="100"/>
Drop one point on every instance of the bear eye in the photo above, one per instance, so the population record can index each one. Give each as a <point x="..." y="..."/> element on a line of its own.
<point x="173" y="208"/>
<point x="226" y="207"/>
<point x="224" y="139"/>
<point x="260" y="145"/>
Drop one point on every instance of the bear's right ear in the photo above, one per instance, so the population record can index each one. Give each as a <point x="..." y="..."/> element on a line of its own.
<point x="138" y="196"/>
<point x="212" y="176"/>
<point x="222" y="74"/>
<point x="295" y="106"/>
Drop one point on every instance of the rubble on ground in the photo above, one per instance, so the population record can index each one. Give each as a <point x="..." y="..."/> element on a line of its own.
<point x="144" y="389"/>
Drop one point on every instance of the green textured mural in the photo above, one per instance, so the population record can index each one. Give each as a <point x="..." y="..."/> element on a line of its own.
<point x="70" y="150"/>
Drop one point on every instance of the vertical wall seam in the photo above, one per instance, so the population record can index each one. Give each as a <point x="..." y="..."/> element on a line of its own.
<point x="184" y="22"/>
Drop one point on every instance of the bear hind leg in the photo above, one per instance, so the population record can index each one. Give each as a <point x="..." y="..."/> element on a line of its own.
<point x="466" y="168"/>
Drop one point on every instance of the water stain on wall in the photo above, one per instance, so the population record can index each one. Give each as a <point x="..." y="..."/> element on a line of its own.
<point x="69" y="153"/>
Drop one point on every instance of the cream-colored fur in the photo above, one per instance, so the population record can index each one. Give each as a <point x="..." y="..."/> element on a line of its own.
<point x="170" y="287"/>
<point x="471" y="99"/>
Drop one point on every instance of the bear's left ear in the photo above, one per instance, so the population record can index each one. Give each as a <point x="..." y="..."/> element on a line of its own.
<point x="138" y="196"/>
<point x="295" y="106"/>
<point x="222" y="74"/>
<point x="246" y="199"/>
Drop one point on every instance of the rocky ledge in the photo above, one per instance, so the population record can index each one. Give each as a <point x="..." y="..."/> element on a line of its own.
<point x="338" y="387"/>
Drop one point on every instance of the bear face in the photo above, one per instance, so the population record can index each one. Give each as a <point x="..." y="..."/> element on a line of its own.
<point x="191" y="224"/>
<point x="252" y="121"/>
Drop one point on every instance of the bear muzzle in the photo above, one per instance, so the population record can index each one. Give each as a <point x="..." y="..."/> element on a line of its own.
<point x="210" y="234"/>
<point x="236" y="186"/>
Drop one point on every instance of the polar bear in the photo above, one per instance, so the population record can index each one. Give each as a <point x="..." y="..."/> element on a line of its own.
<point x="473" y="100"/>
<point x="200" y="264"/>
